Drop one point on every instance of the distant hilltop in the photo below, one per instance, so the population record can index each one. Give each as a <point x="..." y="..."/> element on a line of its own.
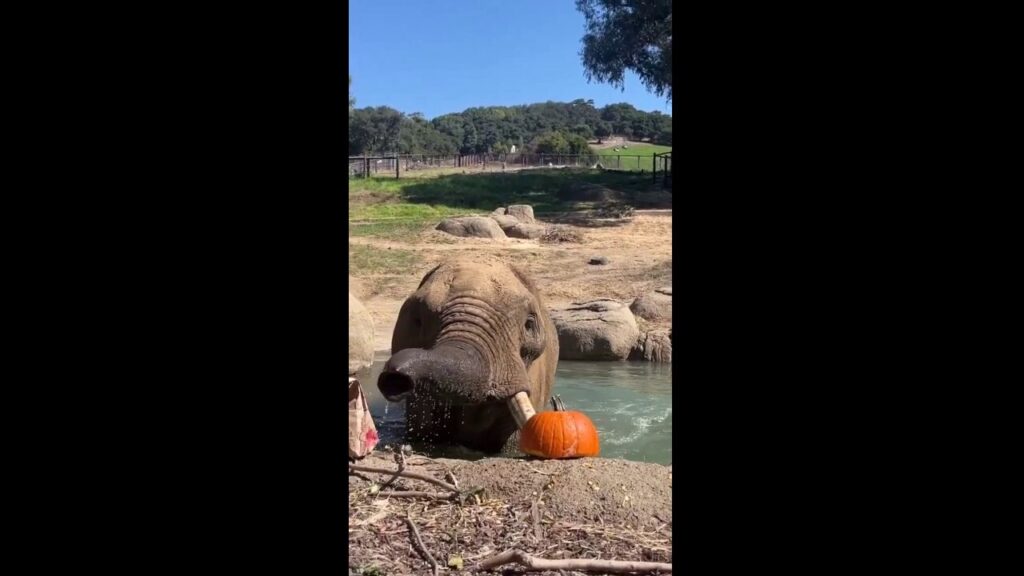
<point x="495" y="129"/>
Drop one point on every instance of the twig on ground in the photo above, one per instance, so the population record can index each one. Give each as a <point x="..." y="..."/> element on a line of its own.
<point x="418" y="544"/>
<point x="540" y="564"/>
<point x="411" y="494"/>
<point x="400" y="460"/>
<point x="404" y="474"/>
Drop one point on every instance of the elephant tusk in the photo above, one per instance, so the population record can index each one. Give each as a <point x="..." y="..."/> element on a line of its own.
<point x="522" y="408"/>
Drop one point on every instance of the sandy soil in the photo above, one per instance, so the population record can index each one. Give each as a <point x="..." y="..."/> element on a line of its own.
<point x="639" y="251"/>
<point x="532" y="505"/>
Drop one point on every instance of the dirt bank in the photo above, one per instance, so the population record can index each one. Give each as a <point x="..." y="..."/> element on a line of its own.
<point x="589" y="508"/>
<point x="638" y="249"/>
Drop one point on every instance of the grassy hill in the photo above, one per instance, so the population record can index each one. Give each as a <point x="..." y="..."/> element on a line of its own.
<point x="629" y="160"/>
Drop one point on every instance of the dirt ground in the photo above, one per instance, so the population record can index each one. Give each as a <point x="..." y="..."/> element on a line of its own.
<point x="638" y="249"/>
<point x="587" y="509"/>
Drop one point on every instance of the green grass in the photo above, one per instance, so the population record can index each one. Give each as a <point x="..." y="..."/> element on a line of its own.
<point x="372" y="260"/>
<point x="393" y="230"/>
<point x="629" y="157"/>
<point x="401" y="209"/>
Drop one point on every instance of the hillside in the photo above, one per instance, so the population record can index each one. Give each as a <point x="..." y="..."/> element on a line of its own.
<point x="495" y="129"/>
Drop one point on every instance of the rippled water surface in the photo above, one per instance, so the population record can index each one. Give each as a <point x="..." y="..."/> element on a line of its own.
<point x="629" y="402"/>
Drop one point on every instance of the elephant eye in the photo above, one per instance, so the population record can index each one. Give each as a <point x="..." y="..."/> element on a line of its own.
<point x="531" y="323"/>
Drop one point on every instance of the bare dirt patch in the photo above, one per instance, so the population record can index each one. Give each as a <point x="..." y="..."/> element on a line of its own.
<point x="589" y="508"/>
<point x="638" y="249"/>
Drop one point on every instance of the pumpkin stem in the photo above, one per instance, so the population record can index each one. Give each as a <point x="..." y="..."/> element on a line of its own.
<point x="557" y="404"/>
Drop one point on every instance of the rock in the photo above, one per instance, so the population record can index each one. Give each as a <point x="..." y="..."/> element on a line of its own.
<point x="655" y="305"/>
<point x="360" y="336"/>
<point x="500" y="211"/>
<point x="588" y="192"/>
<point x="598" y="260"/>
<point x="653" y="346"/>
<point x="524" y="212"/>
<point x="505" y="221"/>
<point x="529" y="231"/>
<point x="471" y="226"/>
<point x="597" y="330"/>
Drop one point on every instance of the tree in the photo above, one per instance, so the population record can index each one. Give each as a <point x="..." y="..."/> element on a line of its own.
<point x="351" y="100"/>
<point x="602" y="131"/>
<point x="374" y="130"/>
<point x="628" y="35"/>
<point x="560" y="143"/>
<point x="583" y="130"/>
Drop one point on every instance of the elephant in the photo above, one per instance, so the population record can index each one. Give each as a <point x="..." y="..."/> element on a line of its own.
<point x="474" y="354"/>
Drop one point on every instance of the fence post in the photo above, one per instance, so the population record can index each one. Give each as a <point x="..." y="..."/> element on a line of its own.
<point x="366" y="167"/>
<point x="397" y="164"/>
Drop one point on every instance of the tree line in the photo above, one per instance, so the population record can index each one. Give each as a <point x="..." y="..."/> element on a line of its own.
<point x="549" y="127"/>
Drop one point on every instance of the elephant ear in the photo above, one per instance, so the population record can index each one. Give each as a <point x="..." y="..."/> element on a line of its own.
<point x="409" y="331"/>
<point x="428" y="275"/>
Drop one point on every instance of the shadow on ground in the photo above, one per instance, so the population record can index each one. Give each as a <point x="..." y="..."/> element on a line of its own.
<point x="591" y="194"/>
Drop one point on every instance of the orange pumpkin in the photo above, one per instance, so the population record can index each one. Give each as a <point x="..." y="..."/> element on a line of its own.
<point x="559" y="434"/>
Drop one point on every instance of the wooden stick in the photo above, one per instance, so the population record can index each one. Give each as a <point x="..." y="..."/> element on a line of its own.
<point x="400" y="460"/>
<point x="418" y="544"/>
<point x="534" y="563"/>
<point x="432" y="495"/>
<point x="414" y="475"/>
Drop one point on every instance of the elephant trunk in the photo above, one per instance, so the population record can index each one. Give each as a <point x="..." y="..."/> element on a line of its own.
<point x="452" y="371"/>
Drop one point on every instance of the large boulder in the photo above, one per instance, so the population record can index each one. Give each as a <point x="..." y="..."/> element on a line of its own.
<point x="360" y="336"/>
<point x="471" y="227"/>
<point x="653" y="346"/>
<point x="597" y="330"/>
<point x="655" y="305"/>
<point x="505" y="221"/>
<point x="524" y="212"/>
<point x="529" y="231"/>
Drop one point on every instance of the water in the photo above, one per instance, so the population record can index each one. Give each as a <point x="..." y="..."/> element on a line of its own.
<point x="629" y="402"/>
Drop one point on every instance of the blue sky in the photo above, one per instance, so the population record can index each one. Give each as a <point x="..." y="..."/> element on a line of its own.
<point x="442" y="56"/>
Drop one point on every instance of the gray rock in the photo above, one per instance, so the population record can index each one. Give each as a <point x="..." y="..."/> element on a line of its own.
<point x="529" y="231"/>
<point x="524" y="212"/>
<point x="360" y="336"/>
<point x="653" y="346"/>
<point x="654" y="305"/>
<point x="471" y="227"/>
<point x="501" y="211"/>
<point x="596" y="330"/>
<point x="505" y="221"/>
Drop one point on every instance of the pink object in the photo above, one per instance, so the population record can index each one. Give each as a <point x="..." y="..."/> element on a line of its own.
<point x="362" y="433"/>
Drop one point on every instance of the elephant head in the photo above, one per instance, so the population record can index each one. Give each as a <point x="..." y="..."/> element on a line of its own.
<point x="470" y="346"/>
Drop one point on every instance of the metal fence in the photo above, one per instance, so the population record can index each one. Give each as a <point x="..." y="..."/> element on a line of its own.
<point x="366" y="166"/>
<point x="663" y="163"/>
<point x="396" y="165"/>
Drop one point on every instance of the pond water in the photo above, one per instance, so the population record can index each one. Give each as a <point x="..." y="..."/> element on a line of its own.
<point x="629" y="402"/>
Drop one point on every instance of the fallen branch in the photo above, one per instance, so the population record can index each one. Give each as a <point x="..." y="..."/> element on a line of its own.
<point x="418" y="544"/>
<point x="404" y="474"/>
<point x="541" y="564"/>
<point x="400" y="460"/>
<point x="432" y="495"/>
